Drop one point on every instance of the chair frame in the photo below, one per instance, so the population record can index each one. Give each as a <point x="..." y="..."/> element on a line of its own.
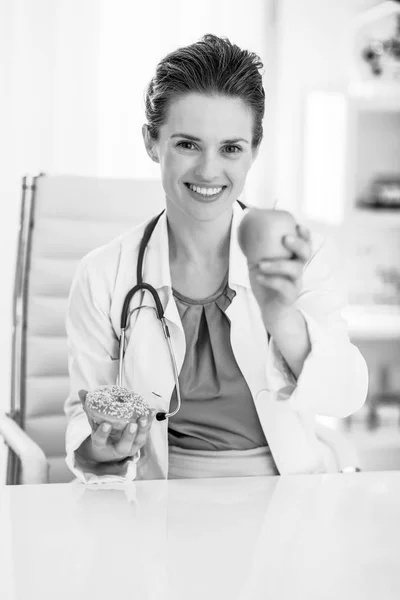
<point x="20" y="303"/>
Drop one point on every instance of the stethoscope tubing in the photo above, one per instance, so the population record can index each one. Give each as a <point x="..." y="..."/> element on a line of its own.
<point x="160" y="416"/>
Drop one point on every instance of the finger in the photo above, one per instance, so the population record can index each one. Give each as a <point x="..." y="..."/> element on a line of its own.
<point x="82" y="396"/>
<point x="144" y="425"/>
<point x="292" y="269"/>
<point x="152" y="415"/>
<point x="303" y="231"/>
<point x="101" y="435"/>
<point x="300" y="247"/>
<point x="124" y="445"/>
<point x="134" y="437"/>
<point x="284" y="286"/>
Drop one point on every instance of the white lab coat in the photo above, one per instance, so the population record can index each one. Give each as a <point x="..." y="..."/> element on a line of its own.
<point x="333" y="382"/>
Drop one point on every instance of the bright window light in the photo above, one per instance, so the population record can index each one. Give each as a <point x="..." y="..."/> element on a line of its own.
<point x="324" y="157"/>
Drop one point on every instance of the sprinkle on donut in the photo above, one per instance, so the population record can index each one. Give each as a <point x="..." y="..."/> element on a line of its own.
<point x="117" y="401"/>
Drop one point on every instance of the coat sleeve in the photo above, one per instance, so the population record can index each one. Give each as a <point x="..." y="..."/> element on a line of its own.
<point x="92" y="361"/>
<point x="334" y="378"/>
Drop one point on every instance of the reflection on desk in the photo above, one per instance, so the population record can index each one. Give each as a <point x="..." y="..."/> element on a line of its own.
<point x="307" y="536"/>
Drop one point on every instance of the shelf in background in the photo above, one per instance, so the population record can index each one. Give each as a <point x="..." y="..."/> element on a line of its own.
<point x="373" y="96"/>
<point x="373" y="321"/>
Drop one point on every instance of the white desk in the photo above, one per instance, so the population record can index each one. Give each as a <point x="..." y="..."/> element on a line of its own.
<point x="312" y="537"/>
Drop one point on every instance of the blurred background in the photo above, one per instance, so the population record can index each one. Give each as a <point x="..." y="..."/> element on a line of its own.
<point x="72" y="80"/>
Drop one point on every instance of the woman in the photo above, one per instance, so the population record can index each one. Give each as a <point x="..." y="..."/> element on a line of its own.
<point x="258" y="355"/>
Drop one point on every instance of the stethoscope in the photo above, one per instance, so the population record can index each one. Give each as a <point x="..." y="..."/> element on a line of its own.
<point x="160" y="416"/>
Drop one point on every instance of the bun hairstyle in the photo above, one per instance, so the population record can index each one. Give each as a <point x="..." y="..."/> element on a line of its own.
<point x="212" y="66"/>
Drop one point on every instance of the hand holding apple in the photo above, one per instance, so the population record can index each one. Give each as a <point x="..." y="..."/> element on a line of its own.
<point x="276" y="249"/>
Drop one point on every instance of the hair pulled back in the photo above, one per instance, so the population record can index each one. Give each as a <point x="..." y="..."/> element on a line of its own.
<point x="211" y="66"/>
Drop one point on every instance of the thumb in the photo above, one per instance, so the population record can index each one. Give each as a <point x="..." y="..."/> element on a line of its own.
<point x="82" y="396"/>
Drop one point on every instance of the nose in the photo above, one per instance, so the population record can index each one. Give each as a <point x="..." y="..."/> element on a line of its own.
<point x="208" y="167"/>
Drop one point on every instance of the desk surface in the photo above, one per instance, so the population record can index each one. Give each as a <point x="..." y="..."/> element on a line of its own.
<point x="319" y="537"/>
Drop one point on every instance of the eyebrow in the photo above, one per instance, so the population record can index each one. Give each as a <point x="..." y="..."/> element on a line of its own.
<point x="196" y="139"/>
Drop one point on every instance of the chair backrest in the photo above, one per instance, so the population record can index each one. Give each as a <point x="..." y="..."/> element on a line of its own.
<point x="62" y="219"/>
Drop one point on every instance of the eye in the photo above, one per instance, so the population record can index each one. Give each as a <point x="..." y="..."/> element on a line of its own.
<point x="233" y="149"/>
<point x="185" y="145"/>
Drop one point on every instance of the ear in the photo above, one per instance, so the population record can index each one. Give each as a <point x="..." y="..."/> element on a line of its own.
<point x="149" y="143"/>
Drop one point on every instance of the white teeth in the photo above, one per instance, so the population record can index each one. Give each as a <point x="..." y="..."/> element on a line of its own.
<point x="205" y="191"/>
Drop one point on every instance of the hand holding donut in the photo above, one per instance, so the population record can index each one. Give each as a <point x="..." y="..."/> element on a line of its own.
<point x="119" y="429"/>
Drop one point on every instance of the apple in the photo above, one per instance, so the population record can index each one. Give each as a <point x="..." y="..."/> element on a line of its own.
<point x="261" y="233"/>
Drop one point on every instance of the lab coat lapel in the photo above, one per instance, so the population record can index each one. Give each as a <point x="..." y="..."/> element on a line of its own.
<point x="157" y="272"/>
<point x="248" y="335"/>
<point x="270" y="391"/>
<point x="249" y="343"/>
<point x="152" y="371"/>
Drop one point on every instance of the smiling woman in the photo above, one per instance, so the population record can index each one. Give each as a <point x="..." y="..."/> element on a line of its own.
<point x="258" y="354"/>
<point x="204" y="129"/>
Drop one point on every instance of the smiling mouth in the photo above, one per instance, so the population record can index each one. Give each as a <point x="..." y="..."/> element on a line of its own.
<point x="206" y="192"/>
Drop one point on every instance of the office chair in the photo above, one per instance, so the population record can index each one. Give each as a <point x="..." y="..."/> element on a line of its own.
<point x="63" y="218"/>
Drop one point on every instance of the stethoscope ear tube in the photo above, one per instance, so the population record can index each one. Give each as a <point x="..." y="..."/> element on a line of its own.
<point x="121" y="356"/>
<point x="128" y="298"/>
<point x="160" y="416"/>
<point x="176" y="374"/>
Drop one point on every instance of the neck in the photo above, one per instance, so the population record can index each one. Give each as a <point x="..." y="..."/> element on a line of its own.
<point x="199" y="243"/>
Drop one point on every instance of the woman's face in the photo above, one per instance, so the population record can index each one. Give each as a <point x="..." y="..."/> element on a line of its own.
<point x="204" y="150"/>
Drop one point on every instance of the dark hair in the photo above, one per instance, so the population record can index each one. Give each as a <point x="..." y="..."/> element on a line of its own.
<point x="212" y="66"/>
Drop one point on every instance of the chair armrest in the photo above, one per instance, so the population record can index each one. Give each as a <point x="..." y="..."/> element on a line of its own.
<point x="35" y="468"/>
<point x="343" y="450"/>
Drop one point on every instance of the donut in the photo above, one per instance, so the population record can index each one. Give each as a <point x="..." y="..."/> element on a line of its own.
<point x="115" y="404"/>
